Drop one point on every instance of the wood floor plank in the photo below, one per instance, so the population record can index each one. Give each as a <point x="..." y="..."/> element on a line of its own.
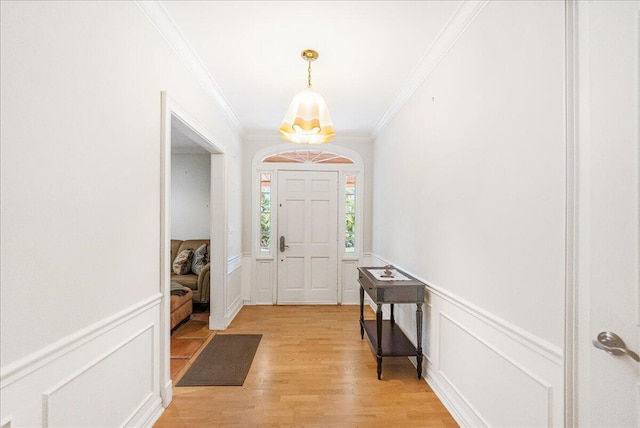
<point x="311" y="369"/>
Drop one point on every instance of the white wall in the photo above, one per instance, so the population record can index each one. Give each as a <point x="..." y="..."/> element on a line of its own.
<point x="80" y="197"/>
<point x="190" y="196"/>
<point x="469" y="182"/>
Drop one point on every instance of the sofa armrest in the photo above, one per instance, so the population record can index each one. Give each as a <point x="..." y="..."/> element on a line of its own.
<point x="204" y="283"/>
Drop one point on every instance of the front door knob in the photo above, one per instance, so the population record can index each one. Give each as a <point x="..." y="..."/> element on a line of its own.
<point x="282" y="246"/>
<point x="614" y="345"/>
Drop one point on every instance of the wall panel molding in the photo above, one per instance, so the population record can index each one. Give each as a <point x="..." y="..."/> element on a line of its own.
<point x="111" y="368"/>
<point x="263" y="276"/>
<point x="540" y="346"/>
<point x="234" y="291"/>
<point x="454" y="331"/>
<point x="498" y="369"/>
<point x="49" y="396"/>
<point x="349" y="286"/>
<point x="27" y="365"/>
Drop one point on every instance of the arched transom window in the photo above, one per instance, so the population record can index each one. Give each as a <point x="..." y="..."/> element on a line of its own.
<point x="308" y="156"/>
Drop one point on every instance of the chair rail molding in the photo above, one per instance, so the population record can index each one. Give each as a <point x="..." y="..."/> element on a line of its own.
<point x="29" y="364"/>
<point x="551" y="352"/>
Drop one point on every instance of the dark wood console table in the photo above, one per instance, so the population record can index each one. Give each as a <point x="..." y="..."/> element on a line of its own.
<point x="385" y="337"/>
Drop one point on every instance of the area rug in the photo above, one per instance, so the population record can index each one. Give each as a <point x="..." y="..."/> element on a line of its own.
<point x="225" y="361"/>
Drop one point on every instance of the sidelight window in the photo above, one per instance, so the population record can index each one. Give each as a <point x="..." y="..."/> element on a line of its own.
<point x="350" y="214"/>
<point x="265" y="212"/>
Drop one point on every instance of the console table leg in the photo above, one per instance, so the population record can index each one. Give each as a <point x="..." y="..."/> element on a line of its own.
<point x="379" y="338"/>
<point x="361" y="312"/>
<point x="419" y="338"/>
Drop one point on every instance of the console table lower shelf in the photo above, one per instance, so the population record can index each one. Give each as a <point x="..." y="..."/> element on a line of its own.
<point x="394" y="342"/>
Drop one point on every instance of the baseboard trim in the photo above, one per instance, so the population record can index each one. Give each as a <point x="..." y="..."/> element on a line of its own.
<point x="234" y="310"/>
<point x="452" y="403"/>
<point x="29" y="364"/>
<point x="151" y="416"/>
<point x="167" y="393"/>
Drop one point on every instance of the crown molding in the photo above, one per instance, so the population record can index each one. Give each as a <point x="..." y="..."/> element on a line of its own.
<point x="162" y="20"/>
<point x="457" y="24"/>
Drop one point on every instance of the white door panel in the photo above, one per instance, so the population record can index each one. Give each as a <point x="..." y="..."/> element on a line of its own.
<point x="308" y="221"/>
<point x="607" y="287"/>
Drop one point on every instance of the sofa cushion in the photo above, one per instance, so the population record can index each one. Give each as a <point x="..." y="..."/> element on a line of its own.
<point x="182" y="263"/>
<point x="177" y="301"/>
<point x="175" y="245"/>
<point x="200" y="259"/>
<point x="188" y="280"/>
<point x="181" y="308"/>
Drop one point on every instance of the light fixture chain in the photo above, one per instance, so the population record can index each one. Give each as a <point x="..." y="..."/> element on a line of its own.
<point x="309" y="71"/>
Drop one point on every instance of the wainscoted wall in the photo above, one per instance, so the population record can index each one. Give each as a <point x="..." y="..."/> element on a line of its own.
<point x="485" y="370"/>
<point x="82" y="325"/>
<point x="473" y="203"/>
<point x="262" y="281"/>
<point x="233" y="296"/>
<point x="55" y="386"/>
<point x="349" y="285"/>
<point x="261" y="274"/>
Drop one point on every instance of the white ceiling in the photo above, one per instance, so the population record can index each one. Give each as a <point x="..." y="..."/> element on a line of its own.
<point x="368" y="51"/>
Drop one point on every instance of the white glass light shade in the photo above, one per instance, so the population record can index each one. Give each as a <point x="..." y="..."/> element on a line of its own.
<point x="307" y="121"/>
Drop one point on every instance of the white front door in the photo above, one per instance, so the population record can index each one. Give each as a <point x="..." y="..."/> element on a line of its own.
<point x="607" y="220"/>
<point x="307" y="238"/>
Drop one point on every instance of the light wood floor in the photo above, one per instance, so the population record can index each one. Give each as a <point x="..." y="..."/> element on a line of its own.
<point x="311" y="369"/>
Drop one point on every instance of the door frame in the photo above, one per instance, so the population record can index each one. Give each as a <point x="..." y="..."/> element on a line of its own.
<point x="577" y="304"/>
<point x="269" y="294"/>
<point x="218" y="227"/>
<point x="571" y="245"/>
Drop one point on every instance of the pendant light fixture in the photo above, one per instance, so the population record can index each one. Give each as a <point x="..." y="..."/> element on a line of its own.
<point x="307" y="121"/>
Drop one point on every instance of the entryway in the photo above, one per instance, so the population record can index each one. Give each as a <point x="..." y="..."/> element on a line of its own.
<point x="321" y="223"/>
<point x="307" y="237"/>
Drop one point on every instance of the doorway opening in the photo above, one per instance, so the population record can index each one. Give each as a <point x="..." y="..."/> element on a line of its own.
<point x="179" y="128"/>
